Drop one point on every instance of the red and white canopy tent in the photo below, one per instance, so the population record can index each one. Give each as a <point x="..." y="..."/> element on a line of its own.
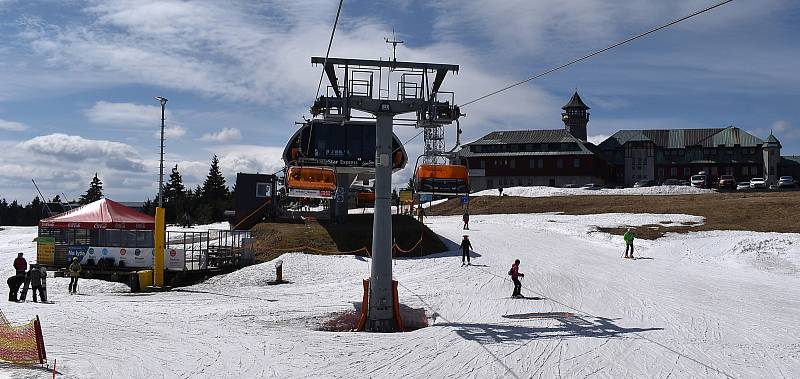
<point x="101" y="214"/>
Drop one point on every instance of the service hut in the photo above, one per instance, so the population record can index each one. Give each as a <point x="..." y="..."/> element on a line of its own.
<point x="104" y="234"/>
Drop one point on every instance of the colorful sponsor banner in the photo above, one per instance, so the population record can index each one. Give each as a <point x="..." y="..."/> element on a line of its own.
<point x="139" y="257"/>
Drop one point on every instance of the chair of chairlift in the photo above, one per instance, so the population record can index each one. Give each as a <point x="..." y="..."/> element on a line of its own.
<point x="442" y="179"/>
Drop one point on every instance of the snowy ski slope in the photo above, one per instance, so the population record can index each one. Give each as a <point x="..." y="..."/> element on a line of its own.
<point x="710" y="304"/>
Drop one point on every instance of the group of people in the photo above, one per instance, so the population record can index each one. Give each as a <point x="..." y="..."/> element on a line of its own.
<point x="466" y="246"/>
<point x="34" y="278"/>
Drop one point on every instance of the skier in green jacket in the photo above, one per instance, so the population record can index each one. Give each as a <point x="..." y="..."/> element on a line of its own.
<point x="628" y="237"/>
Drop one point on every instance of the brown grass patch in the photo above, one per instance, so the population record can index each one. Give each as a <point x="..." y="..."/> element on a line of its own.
<point x="758" y="211"/>
<point x="324" y="237"/>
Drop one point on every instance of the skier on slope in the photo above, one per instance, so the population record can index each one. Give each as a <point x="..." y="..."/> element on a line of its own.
<point x="465" y="246"/>
<point x="74" y="271"/>
<point x="515" y="275"/>
<point x="20" y="264"/>
<point x="465" y="218"/>
<point x="629" y="237"/>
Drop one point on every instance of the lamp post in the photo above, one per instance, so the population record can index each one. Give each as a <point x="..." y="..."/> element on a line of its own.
<point x="160" y="233"/>
<point x="163" y="102"/>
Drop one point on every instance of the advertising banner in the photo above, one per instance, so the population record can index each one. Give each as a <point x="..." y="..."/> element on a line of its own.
<point x="316" y="194"/>
<point x="406" y="197"/>
<point x="138" y="257"/>
<point x="174" y="259"/>
<point x="45" y="250"/>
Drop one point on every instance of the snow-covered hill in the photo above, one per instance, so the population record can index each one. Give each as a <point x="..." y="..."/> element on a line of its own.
<point x="709" y="304"/>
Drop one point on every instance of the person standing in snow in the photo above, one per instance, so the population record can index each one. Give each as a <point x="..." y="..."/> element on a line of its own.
<point x="35" y="276"/>
<point x="628" y="237"/>
<point x="500" y="190"/>
<point x="515" y="275"/>
<point x="466" y="220"/>
<point x="74" y="272"/>
<point x="465" y="246"/>
<point x="20" y="264"/>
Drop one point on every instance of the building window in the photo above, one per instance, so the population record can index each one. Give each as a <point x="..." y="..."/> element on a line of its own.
<point x="745" y="170"/>
<point x="576" y="163"/>
<point x="263" y="190"/>
<point x="560" y="163"/>
<point x="673" y="172"/>
<point x="686" y="171"/>
<point x="513" y="163"/>
<point x="532" y="163"/>
<point x="540" y="163"/>
<point x="754" y="170"/>
<point x="483" y="163"/>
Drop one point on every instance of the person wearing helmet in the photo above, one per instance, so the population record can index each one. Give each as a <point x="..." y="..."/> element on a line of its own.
<point x="465" y="246"/>
<point x="628" y="237"/>
<point x="74" y="272"/>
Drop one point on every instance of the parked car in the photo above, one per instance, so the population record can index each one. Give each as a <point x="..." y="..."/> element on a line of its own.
<point x="786" y="182"/>
<point x="758" y="183"/>
<point x="742" y="186"/>
<point x="643" y="183"/>
<point x="700" y="180"/>
<point x="727" y="182"/>
<point x="671" y="182"/>
<point x="686" y="183"/>
<point x="592" y="186"/>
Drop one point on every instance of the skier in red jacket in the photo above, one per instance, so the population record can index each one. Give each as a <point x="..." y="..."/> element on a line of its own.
<point x="20" y="264"/>
<point x="515" y="275"/>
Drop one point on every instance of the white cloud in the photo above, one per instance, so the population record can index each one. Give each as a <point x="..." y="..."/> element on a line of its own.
<point x="225" y="135"/>
<point x="12" y="126"/>
<point x="114" y="155"/>
<point x="124" y="114"/>
<point x="784" y="129"/>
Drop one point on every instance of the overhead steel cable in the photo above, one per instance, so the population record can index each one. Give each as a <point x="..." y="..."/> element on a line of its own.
<point x="322" y="72"/>
<point x="598" y="52"/>
<point x="327" y="53"/>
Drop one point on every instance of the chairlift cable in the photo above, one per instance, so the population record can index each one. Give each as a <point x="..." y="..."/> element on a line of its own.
<point x="598" y="52"/>
<point x="327" y="53"/>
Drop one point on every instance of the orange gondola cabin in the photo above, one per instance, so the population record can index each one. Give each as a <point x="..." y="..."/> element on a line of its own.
<point x="311" y="182"/>
<point x="442" y="179"/>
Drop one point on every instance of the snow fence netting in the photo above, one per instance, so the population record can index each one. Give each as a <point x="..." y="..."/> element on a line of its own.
<point x="21" y="344"/>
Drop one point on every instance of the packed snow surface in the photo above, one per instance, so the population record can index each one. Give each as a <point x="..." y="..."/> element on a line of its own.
<point x="544" y="191"/>
<point x="706" y="304"/>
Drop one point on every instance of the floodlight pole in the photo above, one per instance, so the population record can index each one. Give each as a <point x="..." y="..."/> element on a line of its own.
<point x="163" y="102"/>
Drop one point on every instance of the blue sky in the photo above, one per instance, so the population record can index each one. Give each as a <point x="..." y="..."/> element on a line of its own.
<point x="77" y="78"/>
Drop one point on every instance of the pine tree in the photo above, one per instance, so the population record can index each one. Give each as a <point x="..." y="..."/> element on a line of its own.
<point x="213" y="195"/>
<point x="94" y="193"/>
<point x="174" y="196"/>
<point x="214" y="188"/>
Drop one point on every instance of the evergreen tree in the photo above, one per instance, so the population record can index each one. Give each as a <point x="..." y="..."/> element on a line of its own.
<point x="174" y="196"/>
<point x="214" y="194"/>
<point x="214" y="188"/>
<point x="94" y="193"/>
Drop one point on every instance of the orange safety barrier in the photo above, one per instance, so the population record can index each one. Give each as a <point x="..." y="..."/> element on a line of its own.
<point x="311" y="178"/>
<point x="21" y="344"/>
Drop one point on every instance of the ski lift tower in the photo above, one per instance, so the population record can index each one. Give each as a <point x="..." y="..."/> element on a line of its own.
<point x="417" y="90"/>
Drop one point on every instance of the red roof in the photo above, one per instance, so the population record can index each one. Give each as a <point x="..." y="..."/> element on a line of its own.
<point x="101" y="214"/>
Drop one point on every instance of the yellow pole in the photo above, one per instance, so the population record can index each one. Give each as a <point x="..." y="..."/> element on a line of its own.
<point x="158" y="259"/>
